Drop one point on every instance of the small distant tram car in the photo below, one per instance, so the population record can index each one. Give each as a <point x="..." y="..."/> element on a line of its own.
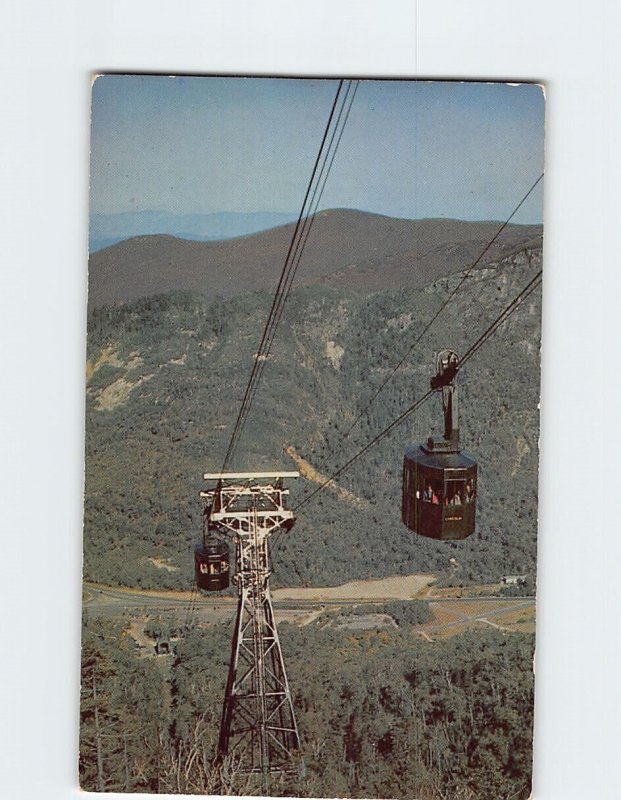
<point x="211" y="565"/>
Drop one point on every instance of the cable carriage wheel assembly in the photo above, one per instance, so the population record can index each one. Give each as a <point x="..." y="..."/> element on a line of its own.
<point x="439" y="479"/>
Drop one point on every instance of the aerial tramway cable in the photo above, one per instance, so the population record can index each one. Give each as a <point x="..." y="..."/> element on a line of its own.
<point x="294" y="254"/>
<point x="465" y="276"/>
<point x="317" y="195"/>
<point x="323" y="165"/>
<point x="297" y="249"/>
<point x="319" y="176"/>
<point x="490" y="330"/>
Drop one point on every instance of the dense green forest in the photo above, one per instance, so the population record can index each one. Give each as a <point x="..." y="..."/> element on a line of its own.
<point x="166" y="376"/>
<point x="381" y="714"/>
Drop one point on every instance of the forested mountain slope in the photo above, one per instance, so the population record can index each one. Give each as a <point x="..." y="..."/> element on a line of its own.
<point x="166" y="375"/>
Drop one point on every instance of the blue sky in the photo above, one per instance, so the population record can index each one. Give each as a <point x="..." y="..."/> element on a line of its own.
<point x="410" y="149"/>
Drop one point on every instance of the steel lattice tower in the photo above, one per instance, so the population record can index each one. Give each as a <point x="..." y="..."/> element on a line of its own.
<point x="258" y="721"/>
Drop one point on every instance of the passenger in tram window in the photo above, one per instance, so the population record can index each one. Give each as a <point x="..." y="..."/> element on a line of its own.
<point x="470" y="491"/>
<point x="456" y="499"/>
<point x="430" y="496"/>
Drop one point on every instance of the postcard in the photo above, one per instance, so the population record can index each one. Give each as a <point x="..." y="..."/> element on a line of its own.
<point x="312" y="423"/>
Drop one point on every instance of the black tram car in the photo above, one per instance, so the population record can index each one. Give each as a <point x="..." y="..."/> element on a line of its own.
<point x="439" y="479"/>
<point x="211" y="565"/>
<point x="439" y="493"/>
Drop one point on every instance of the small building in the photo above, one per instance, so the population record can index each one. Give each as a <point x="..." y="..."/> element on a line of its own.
<point x="513" y="580"/>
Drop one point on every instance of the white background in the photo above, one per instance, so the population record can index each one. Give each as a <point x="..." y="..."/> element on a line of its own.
<point x="48" y="50"/>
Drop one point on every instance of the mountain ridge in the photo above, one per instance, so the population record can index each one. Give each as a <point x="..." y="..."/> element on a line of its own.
<point x="344" y="248"/>
<point x="109" y="229"/>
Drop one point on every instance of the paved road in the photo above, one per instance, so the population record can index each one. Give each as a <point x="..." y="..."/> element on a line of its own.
<point x="109" y="602"/>
<point x="97" y="596"/>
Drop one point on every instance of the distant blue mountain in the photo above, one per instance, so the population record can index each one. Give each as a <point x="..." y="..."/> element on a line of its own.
<point x="108" y="229"/>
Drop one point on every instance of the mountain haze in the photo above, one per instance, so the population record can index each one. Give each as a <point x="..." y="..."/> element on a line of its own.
<point x="108" y="229"/>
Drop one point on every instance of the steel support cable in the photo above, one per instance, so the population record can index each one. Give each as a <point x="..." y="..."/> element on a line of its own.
<point x="193" y="608"/>
<point x="297" y="245"/>
<point x="503" y="316"/>
<point x="442" y="307"/>
<point x="491" y="329"/>
<point x="190" y="607"/>
<point x="367" y="447"/>
<point x="297" y="255"/>
<point x="299" y="241"/>
<point x="281" y="283"/>
<point x="317" y="195"/>
<point x="277" y="536"/>
<point x="283" y="272"/>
